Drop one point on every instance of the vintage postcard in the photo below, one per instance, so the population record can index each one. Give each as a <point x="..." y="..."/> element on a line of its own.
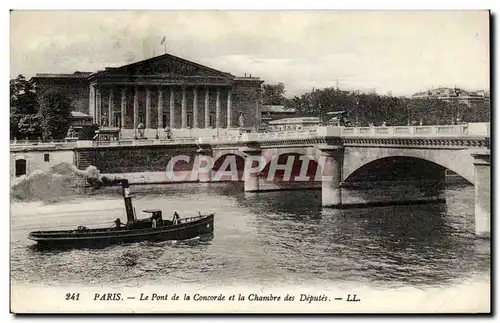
<point x="250" y="162"/>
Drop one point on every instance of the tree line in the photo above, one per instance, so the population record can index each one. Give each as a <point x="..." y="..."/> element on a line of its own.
<point x="364" y="109"/>
<point x="35" y="115"/>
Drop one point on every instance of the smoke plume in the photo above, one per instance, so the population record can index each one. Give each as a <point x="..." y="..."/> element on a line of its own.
<point x="61" y="180"/>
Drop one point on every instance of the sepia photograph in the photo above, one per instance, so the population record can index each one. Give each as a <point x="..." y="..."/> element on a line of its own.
<point x="251" y="161"/>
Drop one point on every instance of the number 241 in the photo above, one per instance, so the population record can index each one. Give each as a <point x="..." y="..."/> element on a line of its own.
<point x="72" y="296"/>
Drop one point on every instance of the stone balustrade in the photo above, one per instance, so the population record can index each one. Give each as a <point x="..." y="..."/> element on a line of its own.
<point x="418" y="131"/>
<point x="224" y="136"/>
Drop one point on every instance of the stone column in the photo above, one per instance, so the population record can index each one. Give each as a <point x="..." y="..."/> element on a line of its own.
<point x="136" y="107"/>
<point x="183" y="109"/>
<point x="257" y="107"/>
<point x="332" y="158"/>
<point x="195" y="108"/>
<point x="92" y="110"/>
<point x="98" y="106"/>
<point x="111" y="108"/>
<point x="123" y="111"/>
<point x="229" y="110"/>
<point x="482" y="179"/>
<point x="148" y="108"/>
<point x="172" y="108"/>
<point x="207" y="110"/>
<point x="160" y="109"/>
<point x="217" y="110"/>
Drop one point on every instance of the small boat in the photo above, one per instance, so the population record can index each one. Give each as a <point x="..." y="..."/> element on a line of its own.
<point x="154" y="228"/>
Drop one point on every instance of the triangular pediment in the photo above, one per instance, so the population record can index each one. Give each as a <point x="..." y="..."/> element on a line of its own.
<point x="166" y="65"/>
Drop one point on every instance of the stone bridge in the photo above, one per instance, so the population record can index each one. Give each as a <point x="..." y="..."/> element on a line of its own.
<point x="365" y="166"/>
<point x="352" y="166"/>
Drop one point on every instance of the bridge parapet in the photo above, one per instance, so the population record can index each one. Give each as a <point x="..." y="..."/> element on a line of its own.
<point x="427" y="131"/>
<point x="418" y="131"/>
<point x="282" y="135"/>
<point x="35" y="145"/>
<point x="476" y="132"/>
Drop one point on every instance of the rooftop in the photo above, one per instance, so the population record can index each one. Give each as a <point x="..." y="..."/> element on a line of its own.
<point x="450" y="92"/>
<point x="276" y="109"/>
<point x="300" y="120"/>
<point x="76" y="74"/>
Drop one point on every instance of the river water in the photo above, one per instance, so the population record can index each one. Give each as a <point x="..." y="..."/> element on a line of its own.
<point x="270" y="239"/>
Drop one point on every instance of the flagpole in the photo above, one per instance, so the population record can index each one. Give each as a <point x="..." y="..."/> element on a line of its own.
<point x="164" y="43"/>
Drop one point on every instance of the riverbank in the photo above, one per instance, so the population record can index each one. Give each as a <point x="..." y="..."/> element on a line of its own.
<point x="147" y="178"/>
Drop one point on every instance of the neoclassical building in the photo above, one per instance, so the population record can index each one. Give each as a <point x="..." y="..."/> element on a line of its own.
<point x="158" y="92"/>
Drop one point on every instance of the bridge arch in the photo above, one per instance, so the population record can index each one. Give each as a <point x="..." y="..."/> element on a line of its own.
<point x="303" y="168"/>
<point x="229" y="162"/>
<point x="458" y="161"/>
<point x="397" y="168"/>
<point x="218" y="154"/>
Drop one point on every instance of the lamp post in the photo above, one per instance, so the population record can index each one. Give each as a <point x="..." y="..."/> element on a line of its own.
<point x="457" y="116"/>
<point x="408" y="113"/>
<point x="357" y="112"/>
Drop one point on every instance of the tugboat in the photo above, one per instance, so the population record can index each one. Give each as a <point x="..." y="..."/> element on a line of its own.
<point x="153" y="228"/>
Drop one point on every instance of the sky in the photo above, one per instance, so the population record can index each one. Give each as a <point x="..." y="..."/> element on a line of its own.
<point x="401" y="52"/>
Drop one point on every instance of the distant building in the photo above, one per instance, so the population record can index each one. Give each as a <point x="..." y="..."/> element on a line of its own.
<point x="290" y="124"/>
<point x="159" y="92"/>
<point x="275" y="112"/>
<point x="454" y="94"/>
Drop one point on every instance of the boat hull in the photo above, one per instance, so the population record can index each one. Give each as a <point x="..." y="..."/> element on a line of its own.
<point x="95" y="238"/>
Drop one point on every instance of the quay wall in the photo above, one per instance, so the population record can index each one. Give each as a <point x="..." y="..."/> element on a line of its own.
<point x="134" y="159"/>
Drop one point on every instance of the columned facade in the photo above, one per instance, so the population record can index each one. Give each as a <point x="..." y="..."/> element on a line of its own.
<point x="229" y="110"/>
<point x="159" y="120"/>
<point x="123" y="107"/>
<point x="98" y="106"/>
<point x="134" y="103"/>
<point x="172" y="108"/>
<point x="166" y="91"/>
<point x="217" y="110"/>
<point x="195" y="108"/>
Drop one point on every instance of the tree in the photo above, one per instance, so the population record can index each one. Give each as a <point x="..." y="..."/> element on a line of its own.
<point x="475" y="112"/>
<point x="371" y="108"/>
<point x="23" y="101"/>
<point x="54" y="114"/>
<point x="273" y="94"/>
<point x="319" y="102"/>
<point x="23" y="96"/>
<point x="29" y="127"/>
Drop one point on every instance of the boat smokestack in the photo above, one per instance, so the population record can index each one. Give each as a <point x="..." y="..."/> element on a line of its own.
<point x="129" y="209"/>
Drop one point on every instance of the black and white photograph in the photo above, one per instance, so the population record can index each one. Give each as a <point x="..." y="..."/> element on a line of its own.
<point x="250" y="161"/>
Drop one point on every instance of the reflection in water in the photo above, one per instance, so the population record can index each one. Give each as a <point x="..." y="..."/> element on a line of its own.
<point x="268" y="238"/>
